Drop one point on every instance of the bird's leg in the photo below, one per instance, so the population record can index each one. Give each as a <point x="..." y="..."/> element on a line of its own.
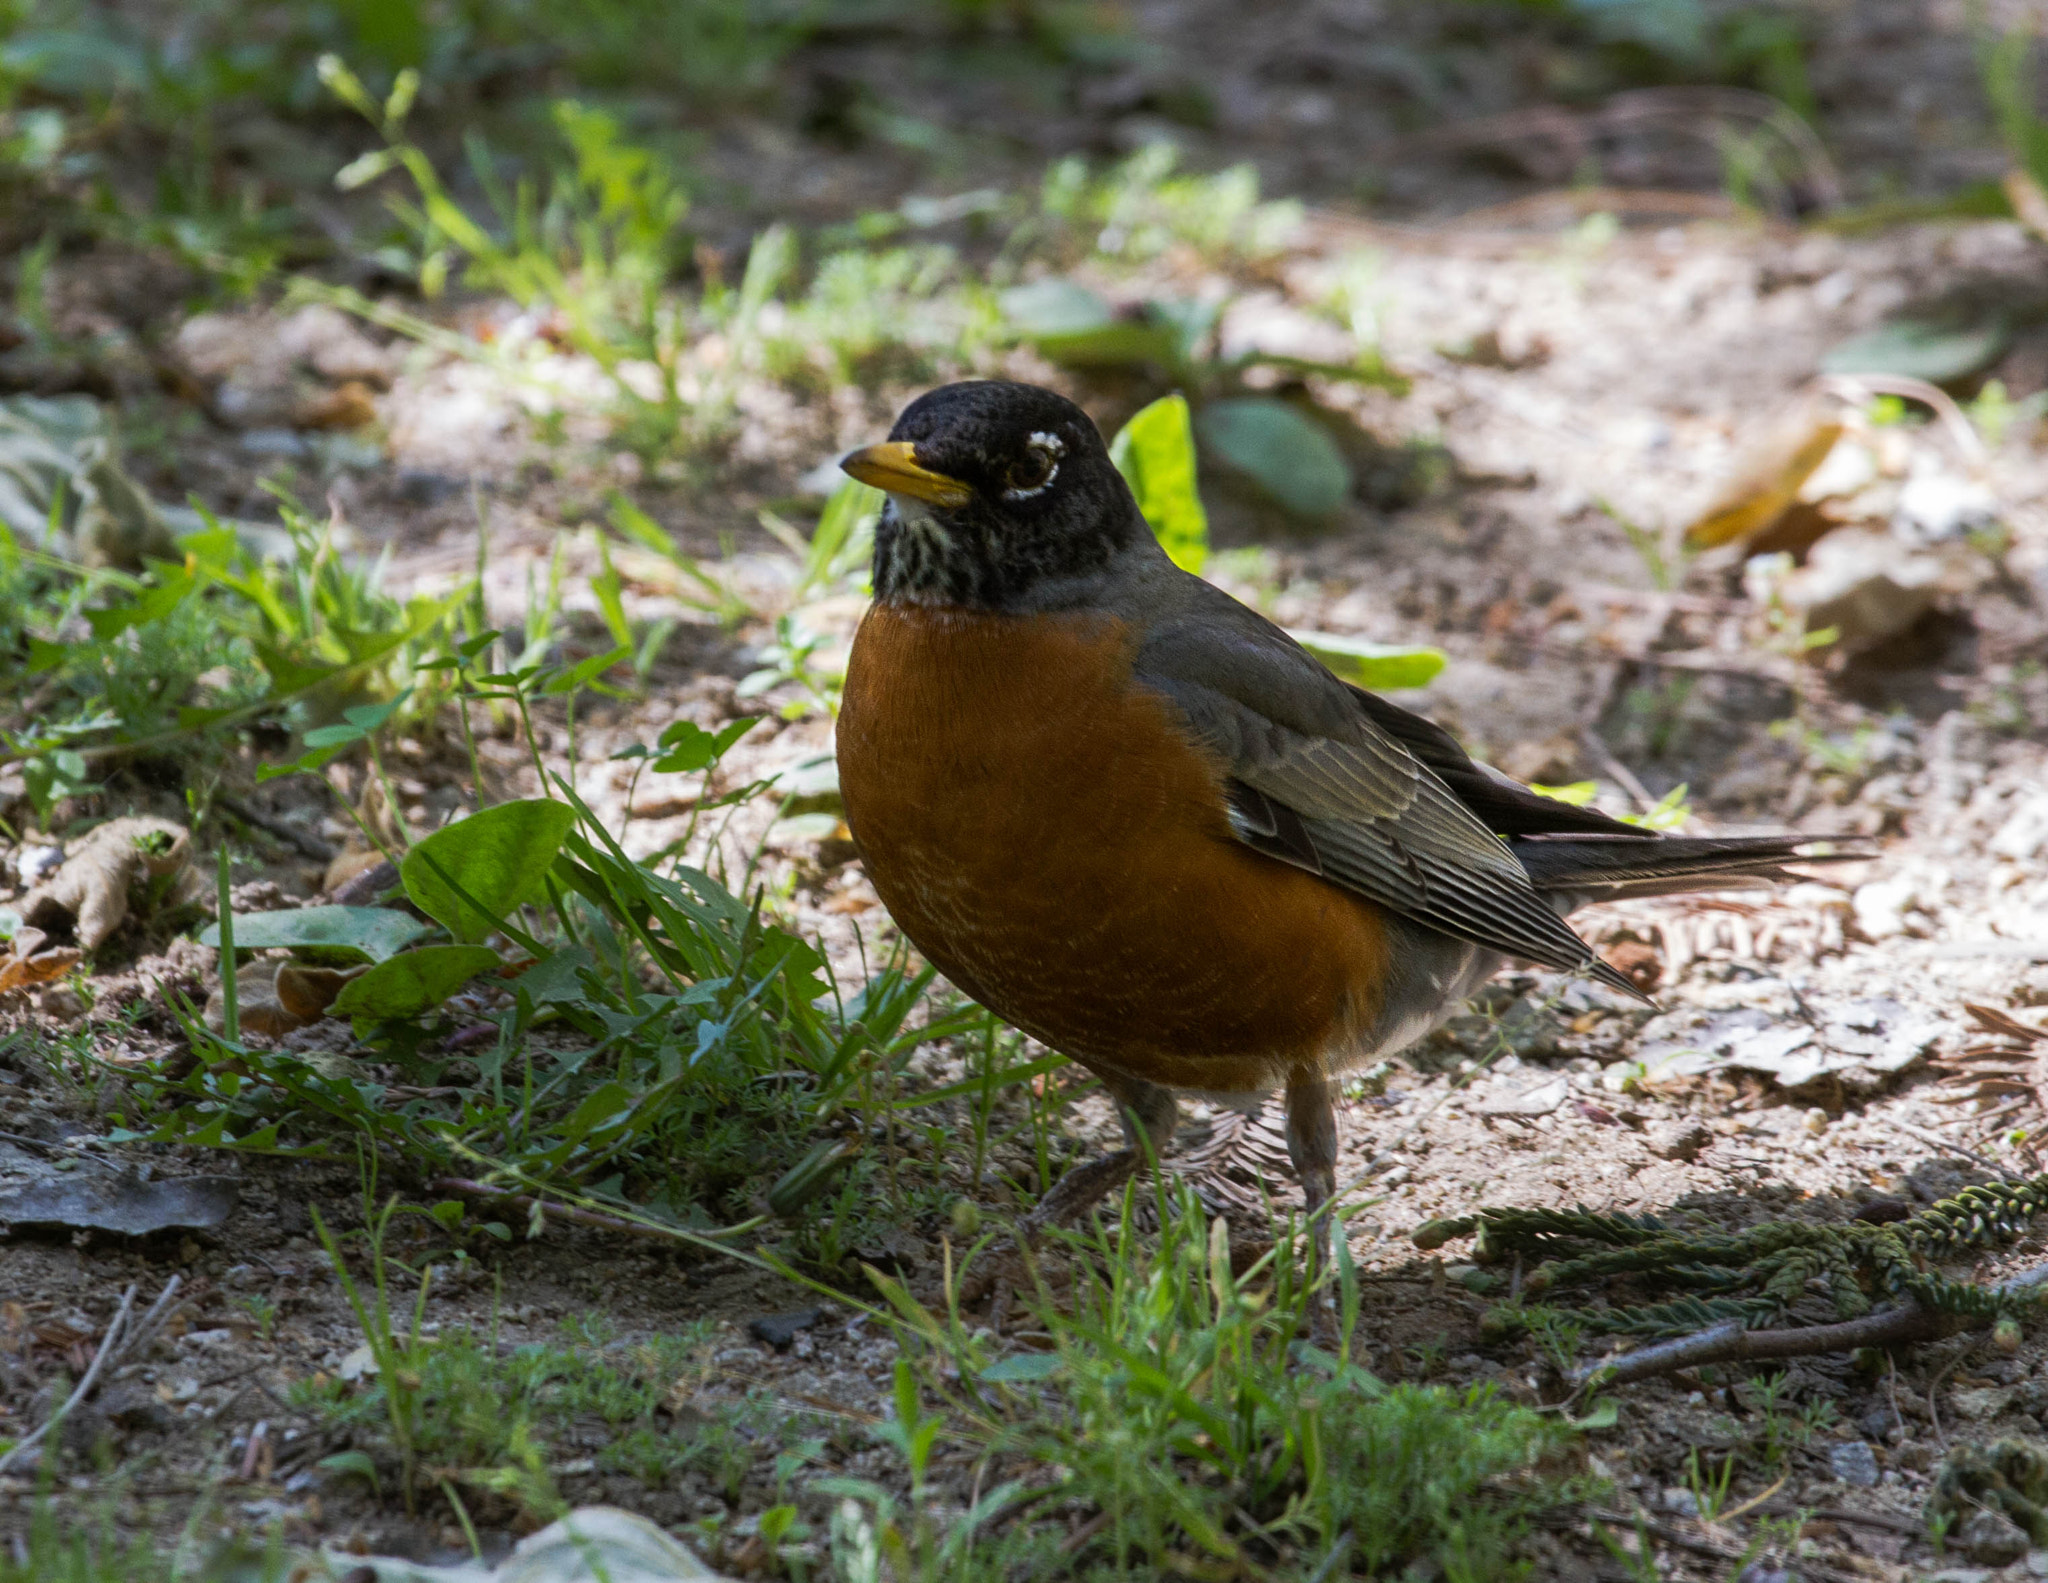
<point x="1148" y="1113"/>
<point x="1312" y="1145"/>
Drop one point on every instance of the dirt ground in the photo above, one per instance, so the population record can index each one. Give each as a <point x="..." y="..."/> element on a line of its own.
<point x="1568" y="374"/>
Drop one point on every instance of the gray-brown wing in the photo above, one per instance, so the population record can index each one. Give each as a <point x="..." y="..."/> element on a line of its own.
<point x="1320" y="785"/>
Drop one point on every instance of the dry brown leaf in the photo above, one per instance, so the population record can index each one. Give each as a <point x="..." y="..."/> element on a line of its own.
<point x="350" y="406"/>
<point x="307" y="992"/>
<point x="257" y="1004"/>
<point x="24" y="971"/>
<point x="1995" y="1021"/>
<point x="347" y="865"/>
<point x="1768" y="476"/>
<point x="90" y="893"/>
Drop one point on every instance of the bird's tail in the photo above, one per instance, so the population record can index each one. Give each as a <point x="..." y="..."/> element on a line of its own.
<point x="1577" y="870"/>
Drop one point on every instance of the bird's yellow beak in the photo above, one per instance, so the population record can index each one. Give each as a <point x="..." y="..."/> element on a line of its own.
<point x="894" y="467"/>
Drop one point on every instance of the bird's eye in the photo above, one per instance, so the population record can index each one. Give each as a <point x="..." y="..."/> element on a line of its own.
<point x="1033" y="472"/>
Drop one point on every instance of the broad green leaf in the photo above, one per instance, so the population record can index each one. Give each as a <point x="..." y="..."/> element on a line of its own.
<point x="1072" y="325"/>
<point x="1939" y="353"/>
<point x="1022" y="1368"/>
<point x="1377" y="667"/>
<point x="151" y="605"/>
<point x="1605" y="1413"/>
<point x="499" y="856"/>
<point x="356" y="1462"/>
<point x="1155" y="452"/>
<point x="558" y="977"/>
<point x="290" y="673"/>
<point x="376" y="933"/>
<point x="413" y="982"/>
<point x="1579" y="794"/>
<point x="609" y="589"/>
<point x="357" y="722"/>
<point x="585" y="671"/>
<point x="1290" y="457"/>
<point x="688" y="747"/>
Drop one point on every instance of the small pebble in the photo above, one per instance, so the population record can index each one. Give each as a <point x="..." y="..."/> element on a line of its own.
<point x="1682" y="1501"/>
<point x="36" y="863"/>
<point x="780" y="1330"/>
<point x="1679" y="1140"/>
<point x="1992" y="1539"/>
<point x="1815" y="1121"/>
<point x="1854" y="1463"/>
<point x="62" y="1003"/>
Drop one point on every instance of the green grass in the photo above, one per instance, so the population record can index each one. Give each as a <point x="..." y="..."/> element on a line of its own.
<point x="1177" y="1420"/>
<point x="485" y="1421"/>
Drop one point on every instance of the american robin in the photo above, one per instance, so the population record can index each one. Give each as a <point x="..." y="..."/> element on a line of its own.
<point x="1133" y="817"/>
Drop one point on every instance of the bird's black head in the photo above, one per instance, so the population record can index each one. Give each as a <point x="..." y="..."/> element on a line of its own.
<point x="998" y="495"/>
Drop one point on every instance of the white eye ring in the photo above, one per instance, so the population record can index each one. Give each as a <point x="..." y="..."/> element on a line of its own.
<point x="1050" y="446"/>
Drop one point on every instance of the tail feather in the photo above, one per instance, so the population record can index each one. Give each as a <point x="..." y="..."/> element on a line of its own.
<point x="1582" y="869"/>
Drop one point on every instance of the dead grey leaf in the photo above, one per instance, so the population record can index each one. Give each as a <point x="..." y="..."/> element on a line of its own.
<point x="593" y="1544"/>
<point x="90" y="893"/>
<point x="1531" y="1099"/>
<point x="123" y="1204"/>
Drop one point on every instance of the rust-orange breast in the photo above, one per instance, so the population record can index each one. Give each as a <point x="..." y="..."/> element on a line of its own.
<point x="1044" y="830"/>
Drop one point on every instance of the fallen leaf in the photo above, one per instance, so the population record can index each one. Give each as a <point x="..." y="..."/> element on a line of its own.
<point x="1996" y="1021"/>
<point x="307" y="992"/>
<point x="350" y="406"/>
<point x="347" y="865"/>
<point x="1640" y="963"/>
<point x="1536" y="1099"/>
<point x="123" y="1204"/>
<point x="258" y="1007"/>
<point x="1768" y="474"/>
<point x="91" y="892"/>
<point x="593" y="1544"/>
<point x="32" y="963"/>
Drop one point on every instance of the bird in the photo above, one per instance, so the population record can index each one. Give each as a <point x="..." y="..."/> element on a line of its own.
<point x="1138" y="821"/>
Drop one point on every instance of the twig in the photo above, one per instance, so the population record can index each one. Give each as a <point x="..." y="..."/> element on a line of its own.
<point x="1859" y="388"/>
<point x="117" y="1342"/>
<point x="1948" y="1145"/>
<point x="1841" y="1514"/>
<point x="465" y="1188"/>
<point x="303" y="840"/>
<point x="1617" y="771"/>
<point x="252" y="1455"/>
<point x="1665" y="1533"/>
<point x="1077" y="1541"/>
<point x="1728" y="1342"/>
<point x="57" y="1148"/>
